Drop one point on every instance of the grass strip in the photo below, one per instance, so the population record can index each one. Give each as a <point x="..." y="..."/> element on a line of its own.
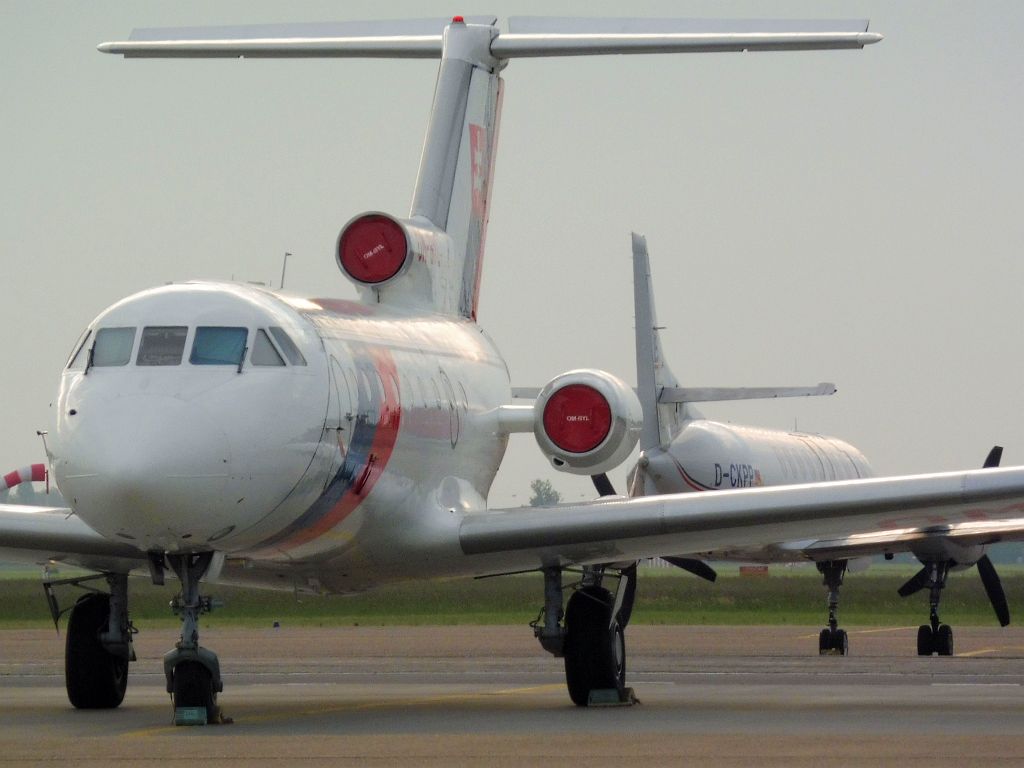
<point x="787" y="596"/>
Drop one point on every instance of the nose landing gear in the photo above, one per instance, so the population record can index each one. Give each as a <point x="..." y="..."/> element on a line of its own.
<point x="192" y="672"/>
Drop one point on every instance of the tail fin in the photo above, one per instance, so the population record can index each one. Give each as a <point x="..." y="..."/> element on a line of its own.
<point x="453" y="187"/>
<point x="661" y="423"/>
<point x="434" y="258"/>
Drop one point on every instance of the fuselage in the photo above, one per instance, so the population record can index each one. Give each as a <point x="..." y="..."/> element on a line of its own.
<point x="273" y="429"/>
<point x="711" y="456"/>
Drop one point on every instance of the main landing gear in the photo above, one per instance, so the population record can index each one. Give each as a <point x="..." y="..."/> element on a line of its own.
<point x="192" y="672"/>
<point x="592" y="639"/>
<point x="934" y="637"/>
<point x="833" y="641"/>
<point x="98" y="646"/>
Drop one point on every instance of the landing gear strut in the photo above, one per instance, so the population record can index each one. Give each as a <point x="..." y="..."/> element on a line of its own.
<point x="833" y="641"/>
<point x="935" y="637"/>
<point x="592" y="640"/>
<point x="98" y="646"/>
<point x="192" y="672"/>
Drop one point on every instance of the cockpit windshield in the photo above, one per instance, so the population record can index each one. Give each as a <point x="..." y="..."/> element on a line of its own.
<point x="162" y="345"/>
<point x="218" y="346"/>
<point x="113" y="346"/>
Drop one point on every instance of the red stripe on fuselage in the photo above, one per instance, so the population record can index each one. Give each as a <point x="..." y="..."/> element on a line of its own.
<point x="384" y="438"/>
<point x="687" y="479"/>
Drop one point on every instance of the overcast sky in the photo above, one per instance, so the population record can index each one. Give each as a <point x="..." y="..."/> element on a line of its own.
<point x="851" y="216"/>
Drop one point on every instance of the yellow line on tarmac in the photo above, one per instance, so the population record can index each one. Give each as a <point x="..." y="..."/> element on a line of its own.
<point x="352" y="707"/>
<point x="863" y="631"/>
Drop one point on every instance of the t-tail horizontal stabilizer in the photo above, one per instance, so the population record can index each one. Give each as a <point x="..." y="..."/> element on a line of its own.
<point x="526" y="37"/>
<point x="432" y="260"/>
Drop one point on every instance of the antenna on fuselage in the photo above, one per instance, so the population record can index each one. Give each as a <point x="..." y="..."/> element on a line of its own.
<point x="284" y="266"/>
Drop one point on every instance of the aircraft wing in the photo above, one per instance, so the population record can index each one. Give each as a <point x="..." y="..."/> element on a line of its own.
<point x="982" y="503"/>
<point x="32" y="534"/>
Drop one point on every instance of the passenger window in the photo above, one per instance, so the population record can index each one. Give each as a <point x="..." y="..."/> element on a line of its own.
<point x="287" y="346"/>
<point x="218" y="346"/>
<point x="263" y="352"/>
<point x="162" y="345"/>
<point x="113" y="346"/>
<point x="77" y="359"/>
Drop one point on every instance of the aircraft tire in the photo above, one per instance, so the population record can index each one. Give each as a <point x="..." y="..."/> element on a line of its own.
<point x="193" y="687"/>
<point x="925" y="640"/>
<point x="824" y="642"/>
<point x="595" y="653"/>
<point x="841" y="642"/>
<point x="94" y="678"/>
<point x="944" y="640"/>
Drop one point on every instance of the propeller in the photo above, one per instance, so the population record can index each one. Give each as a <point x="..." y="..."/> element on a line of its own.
<point x="692" y="565"/>
<point x="987" y="571"/>
<point x="688" y="564"/>
<point x="993" y="458"/>
<point x="989" y="578"/>
<point x="603" y="484"/>
<point x="994" y="590"/>
<point x="915" y="583"/>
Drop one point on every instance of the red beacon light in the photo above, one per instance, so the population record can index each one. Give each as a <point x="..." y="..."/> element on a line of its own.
<point x="372" y="248"/>
<point x="458" y="20"/>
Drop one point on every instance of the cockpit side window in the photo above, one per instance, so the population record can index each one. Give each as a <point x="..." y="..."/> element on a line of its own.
<point x="113" y="346"/>
<point x="287" y="346"/>
<point x="162" y="345"/>
<point x="263" y="352"/>
<point x="79" y="353"/>
<point x="215" y="345"/>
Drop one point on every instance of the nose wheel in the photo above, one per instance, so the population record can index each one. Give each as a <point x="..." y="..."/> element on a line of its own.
<point x="192" y="672"/>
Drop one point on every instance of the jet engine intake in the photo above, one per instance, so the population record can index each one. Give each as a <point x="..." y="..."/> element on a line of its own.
<point x="587" y="421"/>
<point x="374" y="248"/>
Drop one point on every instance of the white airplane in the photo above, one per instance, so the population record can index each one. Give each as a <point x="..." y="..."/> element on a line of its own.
<point x="228" y="432"/>
<point x="681" y="451"/>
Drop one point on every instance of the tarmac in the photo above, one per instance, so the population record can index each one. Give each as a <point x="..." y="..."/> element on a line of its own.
<point x="454" y="696"/>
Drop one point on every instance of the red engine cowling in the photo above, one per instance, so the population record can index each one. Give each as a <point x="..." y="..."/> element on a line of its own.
<point x="587" y="421"/>
<point x="374" y="248"/>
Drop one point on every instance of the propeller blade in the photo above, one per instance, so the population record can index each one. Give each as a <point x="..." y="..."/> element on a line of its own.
<point x="691" y="565"/>
<point x="993" y="459"/>
<point x="994" y="590"/>
<point x="915" y="583"/>
<point x="603" y="484"/>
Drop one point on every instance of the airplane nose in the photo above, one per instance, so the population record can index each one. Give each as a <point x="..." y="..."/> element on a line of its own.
<point x="151" y="469"/>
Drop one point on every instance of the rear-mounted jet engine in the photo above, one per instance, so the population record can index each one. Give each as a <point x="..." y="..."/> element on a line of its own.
<point x="587" y="421"/>
<point x="379" y="252"/>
